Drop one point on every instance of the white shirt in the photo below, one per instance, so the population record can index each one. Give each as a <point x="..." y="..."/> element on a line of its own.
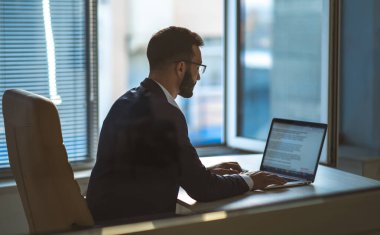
<point x="171" y="101"/>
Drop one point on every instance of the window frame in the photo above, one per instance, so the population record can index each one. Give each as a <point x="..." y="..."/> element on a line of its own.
<point x="92" y="86"/>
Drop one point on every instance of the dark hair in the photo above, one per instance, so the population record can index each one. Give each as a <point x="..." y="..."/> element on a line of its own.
<point x="171" y="44"/>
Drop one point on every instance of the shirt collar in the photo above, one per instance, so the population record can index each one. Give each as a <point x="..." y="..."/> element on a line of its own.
<point x="169" y="97"/>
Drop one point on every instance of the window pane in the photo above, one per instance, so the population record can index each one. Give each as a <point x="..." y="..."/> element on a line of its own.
<point x="43" y="50"/>
<point x="359" y="129"/>
<point x="125" y="31"/>
<point x="281" y="64"/>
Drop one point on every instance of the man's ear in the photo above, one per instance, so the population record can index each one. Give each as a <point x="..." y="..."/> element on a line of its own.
<point x="180" y="68"/>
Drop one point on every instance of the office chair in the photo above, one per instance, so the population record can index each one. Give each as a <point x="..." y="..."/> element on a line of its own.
<point x="50" y="196"/>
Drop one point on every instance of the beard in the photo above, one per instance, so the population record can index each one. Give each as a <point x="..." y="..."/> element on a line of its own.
<point x="187" y="86"/>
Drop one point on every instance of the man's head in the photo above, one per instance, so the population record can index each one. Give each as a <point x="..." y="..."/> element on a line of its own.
<point x="177" y="48"/>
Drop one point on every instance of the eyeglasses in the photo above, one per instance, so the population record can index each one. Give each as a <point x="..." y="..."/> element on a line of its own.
<point x="201" y="67"/>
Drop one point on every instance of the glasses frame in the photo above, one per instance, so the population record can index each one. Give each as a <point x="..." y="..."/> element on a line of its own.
<point x="201" y="67"/>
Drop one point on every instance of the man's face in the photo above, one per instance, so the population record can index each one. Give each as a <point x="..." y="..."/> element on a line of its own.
<point x="191" y="75"/>
<point x="187" y="85"/>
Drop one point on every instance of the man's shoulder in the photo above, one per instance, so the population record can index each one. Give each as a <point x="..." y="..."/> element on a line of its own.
<point x="138" y="101"/>
<point x="147" y="90"/>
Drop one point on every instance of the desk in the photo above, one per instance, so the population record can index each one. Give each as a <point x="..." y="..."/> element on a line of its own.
<point x="328" y="182"/>
<point x="279" y="211"/>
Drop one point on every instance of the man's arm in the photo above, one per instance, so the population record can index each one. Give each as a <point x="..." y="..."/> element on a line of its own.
<point x="203" y="185"/>
<point x="225" y="168"/>
<point x="199" y="182"/>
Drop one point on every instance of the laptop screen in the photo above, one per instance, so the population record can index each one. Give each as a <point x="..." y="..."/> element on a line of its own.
<point x="294" y="148"/>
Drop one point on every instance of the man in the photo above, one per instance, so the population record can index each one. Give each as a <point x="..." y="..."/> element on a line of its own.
<point x="144" y="152"/>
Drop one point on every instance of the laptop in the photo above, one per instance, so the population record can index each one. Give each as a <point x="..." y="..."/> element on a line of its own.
<point x="292" y="151"/>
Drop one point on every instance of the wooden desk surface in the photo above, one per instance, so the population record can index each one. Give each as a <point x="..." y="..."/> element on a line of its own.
<point x="328" y="182"/>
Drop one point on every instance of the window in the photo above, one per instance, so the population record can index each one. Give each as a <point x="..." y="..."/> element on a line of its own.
<point x="359" y="119"/>
<point x="125" y="30"/>
<point x="281" y="67"/>
<point x="45" y="49"/>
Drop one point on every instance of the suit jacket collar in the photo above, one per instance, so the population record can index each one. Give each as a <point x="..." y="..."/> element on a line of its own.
<point x="153" y="87"/>
<point x="147" y="84"/>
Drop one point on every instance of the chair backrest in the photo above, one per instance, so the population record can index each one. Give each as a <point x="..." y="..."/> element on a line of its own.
<point x="50" y="196"/>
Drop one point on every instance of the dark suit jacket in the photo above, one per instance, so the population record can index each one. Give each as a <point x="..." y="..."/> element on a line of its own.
<point x="144" y="155"/>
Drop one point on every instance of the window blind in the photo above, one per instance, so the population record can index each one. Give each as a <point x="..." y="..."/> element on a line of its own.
<point x="43" y="50"/>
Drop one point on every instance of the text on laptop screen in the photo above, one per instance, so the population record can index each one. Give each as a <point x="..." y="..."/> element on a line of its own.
<point x="293" y="148"/>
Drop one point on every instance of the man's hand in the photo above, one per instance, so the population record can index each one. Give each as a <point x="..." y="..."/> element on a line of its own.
<point x="225" y="168"/>
<point x="262" y="179"/>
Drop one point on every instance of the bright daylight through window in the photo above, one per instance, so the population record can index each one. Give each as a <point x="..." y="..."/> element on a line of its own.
<point x="282" y="64"/>
<point x="43" y="50"/>
<point x="124" y="33"/>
